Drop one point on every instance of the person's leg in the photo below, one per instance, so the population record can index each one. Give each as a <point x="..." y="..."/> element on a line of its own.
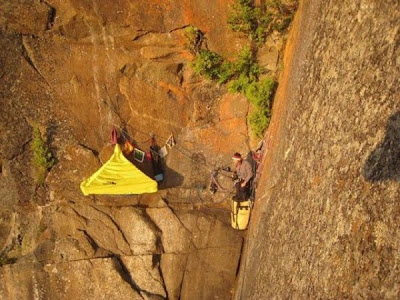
<point x="242" y="192"/>
<point x="237" y="187"/>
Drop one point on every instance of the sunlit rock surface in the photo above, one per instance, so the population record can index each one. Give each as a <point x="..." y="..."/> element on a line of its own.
<point x="327" y="220"/>
<point x="75" y="69"/>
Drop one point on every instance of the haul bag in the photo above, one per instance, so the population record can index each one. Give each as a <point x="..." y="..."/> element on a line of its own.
<point x="240" y="214"/>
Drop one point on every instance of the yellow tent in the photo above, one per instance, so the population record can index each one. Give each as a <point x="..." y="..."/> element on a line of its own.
<point x="118" y="176"/>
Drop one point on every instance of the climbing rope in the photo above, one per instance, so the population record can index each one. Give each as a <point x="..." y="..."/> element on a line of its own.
<point x="177" y="147"/>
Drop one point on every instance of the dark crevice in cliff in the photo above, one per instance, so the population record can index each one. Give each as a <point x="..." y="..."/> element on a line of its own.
<point x="141" y="34"/>
<point x="27" y="56"/>
<point x="179" y="72"/>
<point x="181" y="285"/>
<point x="125" y="274"/>
<point x="24" y="147"/>
<point x="150" y="273"/>
<point x="95" y="152"/>
<point x="91" y="241"/>
<point x="179" y="28"/>
<point x="155" y="229"/>
<point x="51" y="16"/>
<point x="115" y="224"/>
<point x="79" y="215"/>
<point x="240" y="258"/>
<point x="156" y="259"/>
<point x="127" y="277"/>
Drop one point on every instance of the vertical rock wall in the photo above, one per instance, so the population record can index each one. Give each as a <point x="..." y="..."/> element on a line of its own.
<point x="327" y="224"/>
<point x="74" y="69"/>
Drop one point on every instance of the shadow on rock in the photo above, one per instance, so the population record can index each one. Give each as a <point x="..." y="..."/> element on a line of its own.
<point x="171" y="179"/>
<point x="384" y="162"/>
<point x="154" y="165"/>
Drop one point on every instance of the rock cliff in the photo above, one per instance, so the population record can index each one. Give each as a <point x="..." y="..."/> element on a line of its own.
<point x="327" y="215"/>
<point x="74" y="69"/>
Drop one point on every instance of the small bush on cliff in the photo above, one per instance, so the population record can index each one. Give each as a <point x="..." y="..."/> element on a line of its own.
<point x="243" y="17"/>
<point x="247" y="18"/>
<point x="212" y="66"/>
<point x="208" y="64"/>
<point x="259" y="120"/>
<point x="258" y="22"/>
<point x="42" y="158"/>
<point x="242" y="74"/>
<point x="242" y="77"/>
<point x="259" y="93"/>
<point x="194" y="38"/>
<point x="246" y="71"/>
<point x="246" y="64"/>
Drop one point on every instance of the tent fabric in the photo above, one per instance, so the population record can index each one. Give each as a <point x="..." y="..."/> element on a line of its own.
<point x="118" y="176"/>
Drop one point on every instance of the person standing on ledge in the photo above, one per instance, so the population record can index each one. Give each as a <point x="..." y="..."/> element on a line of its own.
<point x="243" y="172"/>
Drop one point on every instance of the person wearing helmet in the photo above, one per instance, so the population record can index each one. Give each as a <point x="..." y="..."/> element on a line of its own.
<point x="244" y="173"/>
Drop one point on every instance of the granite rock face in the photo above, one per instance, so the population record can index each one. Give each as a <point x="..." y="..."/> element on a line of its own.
<point x="74" y="69"/>
<point x="329" y="213"/>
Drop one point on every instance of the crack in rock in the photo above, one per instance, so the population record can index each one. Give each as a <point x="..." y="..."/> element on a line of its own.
<point x="116" y="225"/>
<point x="125" y="274"/>
<point x="27" y="56"/>
<point x="51" y="16"/>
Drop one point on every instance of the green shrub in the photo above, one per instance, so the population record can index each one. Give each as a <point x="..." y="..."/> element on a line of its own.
<point x="260" y="93"/>
<point x="242" y="74"/>
<point x="246" y="64"/>
<point x="194" y="37"/>
<point x="239" y="85"/>
<point x="247" y="18"/>
<point x="207" y="64"/>
<point x="42" y="158"/>
<point x="259" y="120"/>
<point x="243" y="17"/>
<point x="258" y="22"/>
<point x="246" y="71"/>
<point x="226" y="72"/>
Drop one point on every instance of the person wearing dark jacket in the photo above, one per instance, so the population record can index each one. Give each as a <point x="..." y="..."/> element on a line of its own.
<point x="244" y="173"/>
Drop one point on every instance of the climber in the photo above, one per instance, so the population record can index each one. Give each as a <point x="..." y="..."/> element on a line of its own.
<point x="243" y="173"/>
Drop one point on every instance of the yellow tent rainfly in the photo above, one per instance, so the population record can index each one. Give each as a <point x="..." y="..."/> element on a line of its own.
<point x="118" y="176"/>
